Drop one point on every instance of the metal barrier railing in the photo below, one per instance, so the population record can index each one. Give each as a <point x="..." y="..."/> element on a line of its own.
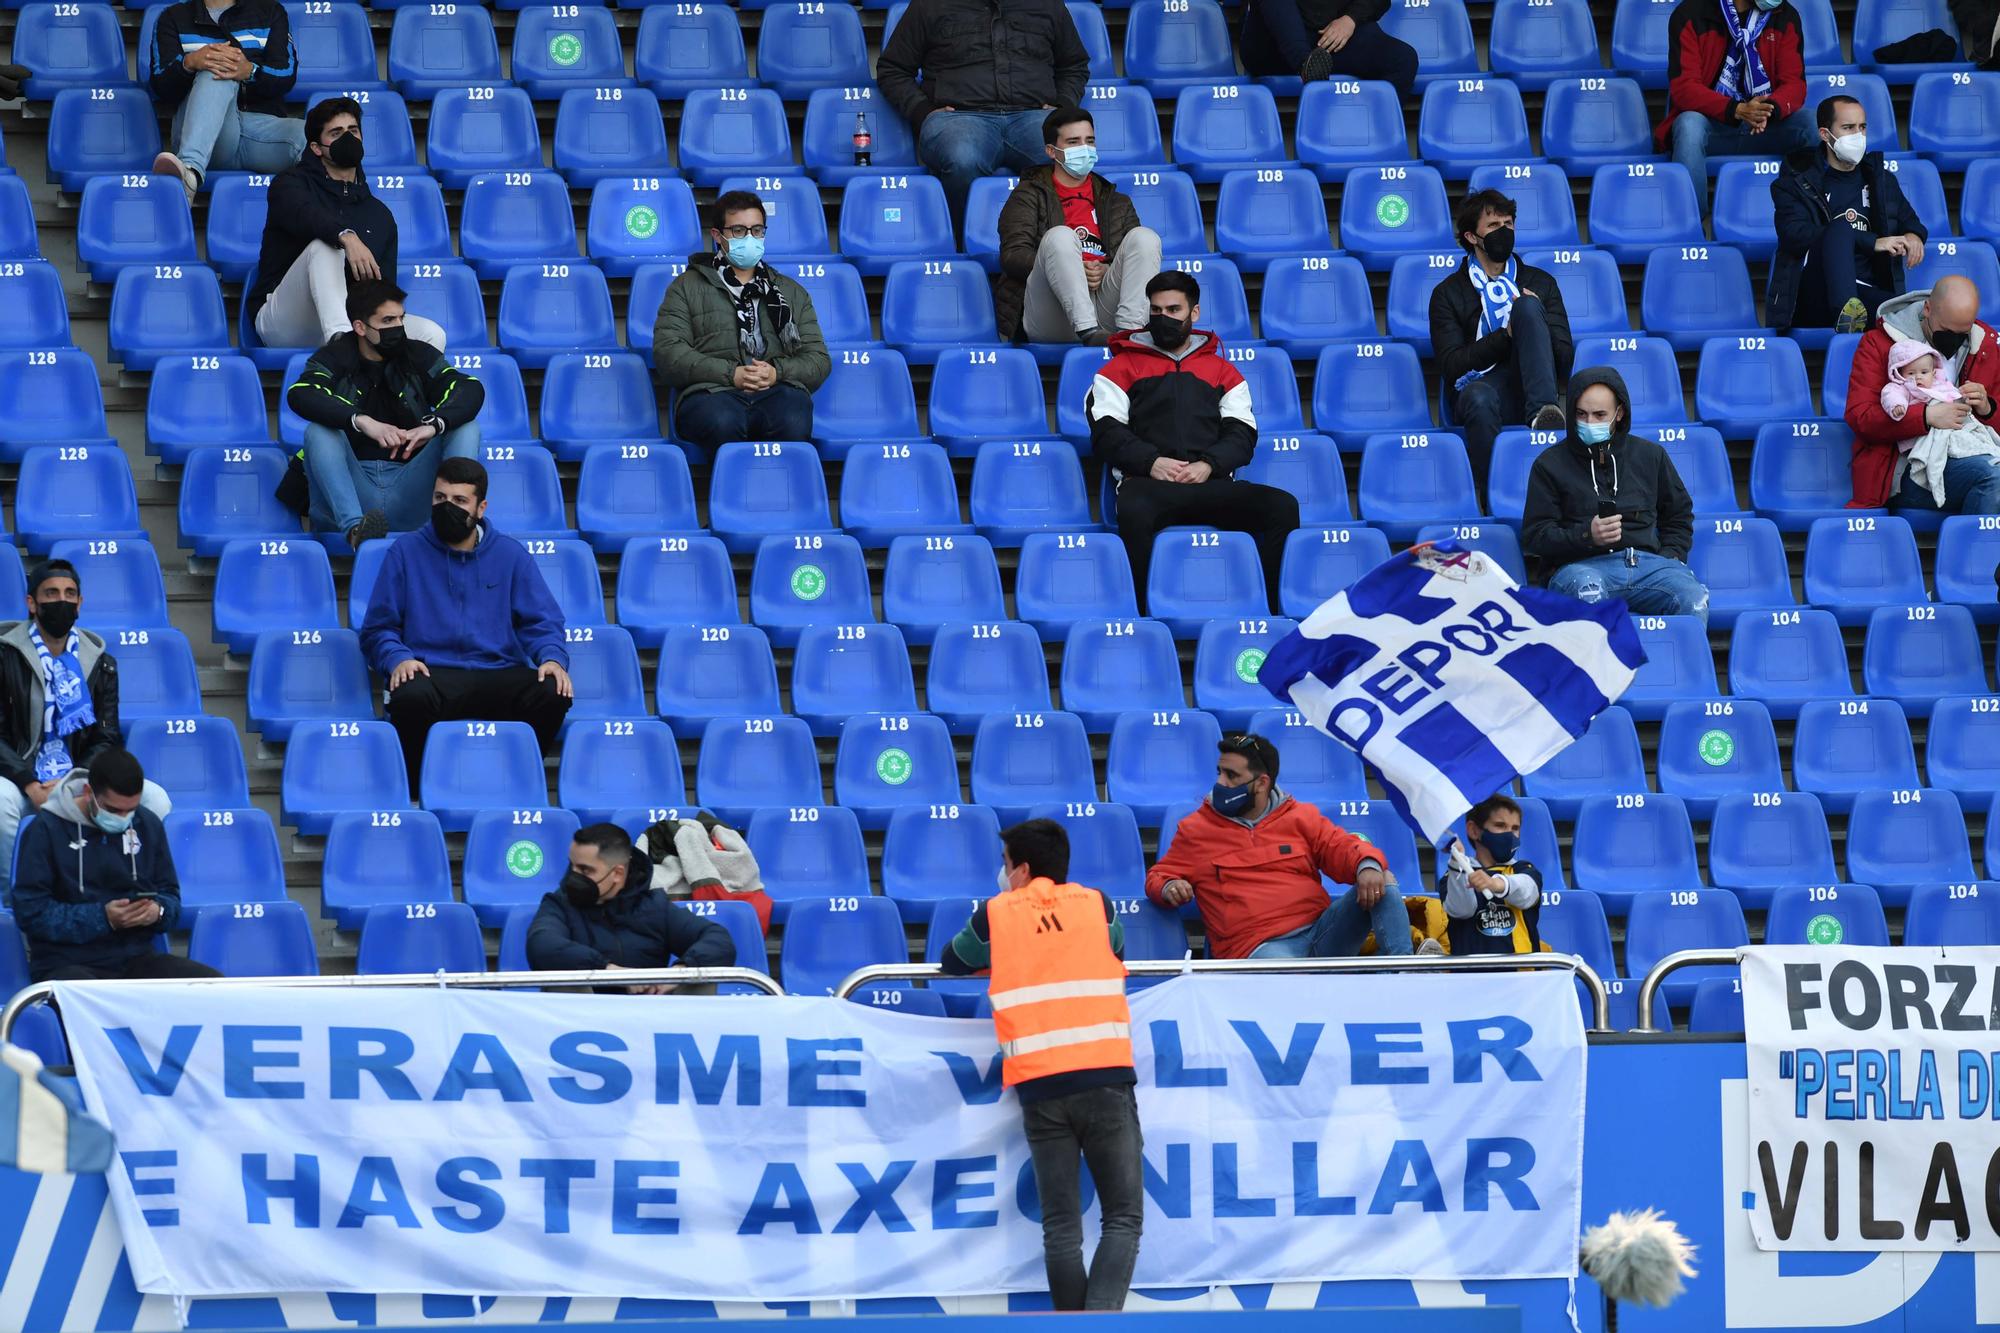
<point x="42" y="991"/>
<point x="1600" y="999"/>
<point x="1674" y="962"/>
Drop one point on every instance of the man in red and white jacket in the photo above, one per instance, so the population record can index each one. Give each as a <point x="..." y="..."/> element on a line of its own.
<point x="1172" y="420"/>
<point x="1736" y="84"/>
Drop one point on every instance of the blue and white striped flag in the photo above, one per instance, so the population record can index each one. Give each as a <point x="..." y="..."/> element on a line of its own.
<point x="1450" y="679"/>
<point x="42" y="1124"/>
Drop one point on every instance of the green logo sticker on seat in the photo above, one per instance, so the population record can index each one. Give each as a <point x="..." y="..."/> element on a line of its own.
<point x="893" y="766"/>
<point x="565" y="49"/>
<point x="1824" y="929"/>
<point x="1716" y="748"/>
<point x="1248" y="663"/>
<point x="808" y="583"/>
<point x="641" y="221"/>
<point x="1392" y="210"/>
<point x="524" y="859"/>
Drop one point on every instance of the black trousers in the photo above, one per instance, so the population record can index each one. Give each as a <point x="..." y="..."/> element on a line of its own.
<point x="457" y="694"/>
<point x="1145" y="506"/>
<point x="1277" y="39"/>
<point x="140" y="967"/>
<point x="1101" y="1126"/>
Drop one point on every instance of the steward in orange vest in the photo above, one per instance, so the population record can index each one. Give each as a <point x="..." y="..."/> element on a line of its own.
<point x="1058" y="994"/>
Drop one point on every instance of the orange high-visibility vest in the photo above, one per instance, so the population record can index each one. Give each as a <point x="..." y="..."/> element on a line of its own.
<point x="1058" y="991"/>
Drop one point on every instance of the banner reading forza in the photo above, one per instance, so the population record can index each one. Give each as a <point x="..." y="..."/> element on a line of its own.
<point x="1874" y="1119"/>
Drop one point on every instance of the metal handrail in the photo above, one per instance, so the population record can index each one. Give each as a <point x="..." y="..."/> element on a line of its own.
<point x="1674" y="962"/>
<point x="42" y="991"/>
<point x="1600" y="998"/>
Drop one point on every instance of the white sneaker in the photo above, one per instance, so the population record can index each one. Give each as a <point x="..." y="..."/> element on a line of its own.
<point x="166" y="164"/>
<point x="1430" y="949"/>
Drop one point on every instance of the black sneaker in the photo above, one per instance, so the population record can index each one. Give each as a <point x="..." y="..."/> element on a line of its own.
<point x="373" y="524"/>
<point x="1319" y="65"/>
<point x="1550" y="417"/>
<point x="1093" y="337"/>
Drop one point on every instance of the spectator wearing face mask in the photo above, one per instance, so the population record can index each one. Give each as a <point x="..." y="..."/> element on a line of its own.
<point x="324" y="229"/>
<point x="1172" y="420"/>
<point x="1846" y="234"/>
<point x="1494" y="898"/>
<point x="58" y="703"/>
<point x="608" y="916"/>
<point x="739" y="340"/>
<point x="381" y="412"/>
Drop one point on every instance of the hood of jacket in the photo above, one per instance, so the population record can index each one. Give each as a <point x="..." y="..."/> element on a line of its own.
<point x="1200" y="342"/>
<point x="1590" y="377"/>
<point x="62" y="802"/>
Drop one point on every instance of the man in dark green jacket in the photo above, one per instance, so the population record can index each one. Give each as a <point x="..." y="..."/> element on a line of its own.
<point x="738" y="339"/>
<point x="1074" y="261"/>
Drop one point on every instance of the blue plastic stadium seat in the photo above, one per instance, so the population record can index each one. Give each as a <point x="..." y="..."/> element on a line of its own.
<point x="808" y="580"/>
<point x="1317" y="768"/>
<point x="729" y="672"/>
<point x="603" y="133"/>
<point x="1105" y="853"/>
<point x="1968" y="553"/>
<point x="1545" y="213"/>
<point x="1160" y="759"/>
<point x="1879" y="23"/>
<point x="98" y="130"/>
<point x="1742" y="563"/>
<point x="227" y="493"/>
<point x="1637" y="206"/>
<point x="1979" y="207"/>
<point x="550" y="308"/>
<point x="514" y="940"/>
<point x="516" y="217"/>
<point x="1020" y="760"/>
<point x="1760" y="841"/>
<point x="416" y="202"/>
<point x="157" y="676"/>
<point x="1378" y="823"/>
<point x="1962" y="750"/>
<point x="1313" y="301"/>
<point x="1225" y="125"/>
<point x="1573" y="922"/>
<point x="760" y="489"/>
<point x="1604" y="760"/>
<point x="524" y="491"/>
<point x="334" y="50"/>
<point x="1261" y="216"/>
<point x="1227" y="657"/>
<point x="199" y="760"/>
<point x="607" y="764"/>
<point x="335" y="768"/>
<point x="1745" y="382"/>
<point x="1845" y="747"/>
<point x="18" y="239"/>
<point x="1064" y="578"/>
<point x="1972" y="259"/>
<point x="1799" y="473"/>
<point x="806" y="853"/>
<point x="1079" y="370"/>
<point x="981" y="227"/>
<point x="1496" y="540"/>
<point x="1115" y="666"/>
<point x="1956" y="915"/>
<point x="1309" y="467"/>
<point x="1694" y="293"/>
<point x="891" y="760"/>
<point x="628" y="491"/>
<point x="1679" y="665"/>
<point x="1397" y="210"/>
<point x="1465" y="123"/>
<point x="236" y="850"/>
<point x="685" y="47"/>
<point x="1788" y="658"/>
<point x="931" y="581"/>
<point x="392" y="143"/>
<point x="512" y="858"/>
<point x="1128" y="125"/>
<point x="260" y="939"/>
<point x="1412" y="479"/>
<point x="1855" y="564"/>
<point x="1663" y="922"/>
<point x="884" y="219"/>
<point x="826" y="939"/>
<point x="1412" y="279"/>
<point x="1743" y="211"/>
<point x="1716" y="1006"/>
<point x="447" y="293"/>
<point x="126" y="587"/>
<point x="1368" y="389"/>
<point x="432" y="51"/>
<point x="1166" y="202"/>
<point x="642" y="220"/>
<point x="1849" y="914"/>
<point x="1441" y="33"/>
<point x="604" y="665"/>
<point x="1872" y="92"/>
<point x="1173" y="45"/>
<point x="420" y="937"/>
<point x="1592" y="287"/>
<point x="803" y="47"/>
<point x="1323" y="561"/>
<point x="68" y="46"/>
<point x="1025" y="486"/>
<point x="1347" y="123"/>
<point x="978" y="668"/>
<point x="867" y="398"/>
<point x="828" y="139"/>
<point x="75" y="491"/>
<point x="1839" y="369"/>
<point x="126" y="220"/>
<point x="932" y="306"/>
<point x="1648" y="367"/>
<point x="474" y="766"/>
<point x="839" y="671"/>
<point x="1923" y="190"/>
<point x="557" y="49"/>
<point x="731" y="131"/>
<point x="263" y="584"/>
<point x="1537" y="44"/>
<point x="1199" y="575"/>
<point x="293" y="682"/>
<point x="979" y="394"/>
<point x="1274" y="385"/>
<point x="931" y="856"/>
<point x="591" y="398"/>
<point x="32" y="289"/>
<point x="1900" y="838"/>
<point x="674" y="579"/>
<point x="1920" y="654"/>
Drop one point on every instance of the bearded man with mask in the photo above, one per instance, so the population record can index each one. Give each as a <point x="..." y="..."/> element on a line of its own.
<point x="58" y="702"/>
<point x="739" y="340"/>
<point x="381" y="412"/>
<point x="1173" y="422"/>
<point x="608" y="916"/>
<point x="462" y="626"/>
<point x="1250" y="858"/>
<point x="1499" y="332"/>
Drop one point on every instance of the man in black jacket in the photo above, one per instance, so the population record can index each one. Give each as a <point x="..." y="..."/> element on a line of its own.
<point x="1606" y="514"/>
<point x="990" y="69"/>
<point x="1317" y="39"/>
<point x="58" y="703"/>
<point x="382" y="411"/>
<point x="226" y="72"/>
<point x="1173" y="422"/>
<point x="1846" y="234"/>
<point x="608" y="915"/>
<point x="324" y="228"/>
<point x="1499" y="332"/>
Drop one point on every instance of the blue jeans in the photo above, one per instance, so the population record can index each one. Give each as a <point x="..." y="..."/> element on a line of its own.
<point x="344" y="487"/>
<point x="1695" y="138"/>
<point x="212" y="134"/>
<point x="961" y="146"/>
<point x="1513" y="391"/>
<point x="1343" y="927"/>
<point x="711" y="420"/>
<point x="1971" y="486"/>
<point x="1653" y="585"/>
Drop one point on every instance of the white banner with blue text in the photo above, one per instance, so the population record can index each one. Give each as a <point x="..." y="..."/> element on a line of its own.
<point x="1874" y="1115"/>
<point x="277" y="1139"/>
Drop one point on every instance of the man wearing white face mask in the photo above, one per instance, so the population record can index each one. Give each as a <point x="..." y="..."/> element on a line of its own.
<point x="1074" y="260"/>
<point x="1846" y="234"/>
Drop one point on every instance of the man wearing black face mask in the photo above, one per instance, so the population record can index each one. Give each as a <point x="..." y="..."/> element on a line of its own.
<point x="1493" y="897"/>
<point x="1173" y="422"/>
<point x="382" y="413"/>
<point x="58" y="703"/>
<point x="1945" y="318"/>
<point x="323" y="229"/>
<point x="607" y="915"/>
<point x="1499" y="332"/>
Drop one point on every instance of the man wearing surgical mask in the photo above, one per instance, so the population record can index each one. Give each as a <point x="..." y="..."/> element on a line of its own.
<point x="606" y="915"/>
<point x="1945" y="318"/>
<point x="1493" y="897"/>
<point x="737" y="339"/>
<point x="1846" y="234"/>
<point x="96" y="881"/>
<point x="1074" y="259"/>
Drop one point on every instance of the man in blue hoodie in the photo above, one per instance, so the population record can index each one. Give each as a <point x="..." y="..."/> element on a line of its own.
<point x="462" y="625"/>
<point x="95" y="880"/>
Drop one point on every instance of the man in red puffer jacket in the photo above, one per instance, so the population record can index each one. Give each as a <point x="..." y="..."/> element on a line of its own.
<point x="1736" y="84"/>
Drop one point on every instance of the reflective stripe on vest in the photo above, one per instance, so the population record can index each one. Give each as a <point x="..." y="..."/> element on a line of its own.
<point x="1058" y="991"/>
